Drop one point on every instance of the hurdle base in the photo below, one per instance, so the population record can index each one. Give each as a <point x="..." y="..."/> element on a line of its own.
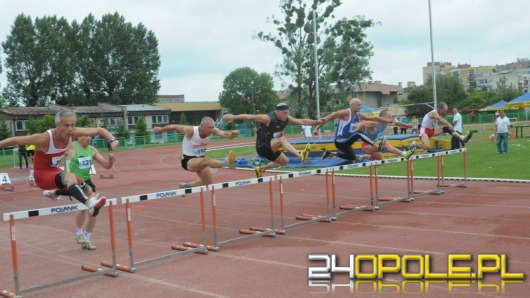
<point x="350" y="207"/>
<point x="5" y="293"/>
<point x="7" y="187"/>
<point x="390" y="199"/>
<point x="118" y="266"/>
<point x="196" y="245"/>
<point x="312" y="217"/>
<point x="91" y="268"/>
<point x="427" y="192"/>
<point x="110" y="176"/>
<point x="252" y="232"/>
<point x="32" y="183"/>
<point x="259" y="229"/>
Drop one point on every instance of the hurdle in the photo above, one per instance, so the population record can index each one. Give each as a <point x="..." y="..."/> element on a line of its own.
<point x="253" y="231"/>
<point x="382" y="200"/>
<point x="179" y="249"/>
<point x="95" y="271"/>
<point x="372" y="165"/>
<point x="306" y="218"/>
<point x="440" y="186"/>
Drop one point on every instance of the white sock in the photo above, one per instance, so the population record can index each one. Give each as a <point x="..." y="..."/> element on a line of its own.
<point x="87" y="236"/>
<point x="462" y="137"/>
<point x="78" y="232"/>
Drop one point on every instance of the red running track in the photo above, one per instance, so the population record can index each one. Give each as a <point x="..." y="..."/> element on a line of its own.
<point x="486" y="217"/>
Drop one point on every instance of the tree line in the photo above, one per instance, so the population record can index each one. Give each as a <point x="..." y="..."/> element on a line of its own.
<point x="49" y="60"/>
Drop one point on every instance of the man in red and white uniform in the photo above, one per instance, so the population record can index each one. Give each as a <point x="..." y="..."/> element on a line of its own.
<point x="50" y="147"/>
<point x="429" y="127"/>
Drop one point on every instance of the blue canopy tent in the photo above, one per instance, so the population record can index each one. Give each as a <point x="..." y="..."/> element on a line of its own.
<point x="369" y="111"/>
<point x="501" y="105"/>
<point x="519" y="102"/>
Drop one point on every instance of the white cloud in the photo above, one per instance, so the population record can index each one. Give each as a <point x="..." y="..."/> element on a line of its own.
<point x="202" y="41"/>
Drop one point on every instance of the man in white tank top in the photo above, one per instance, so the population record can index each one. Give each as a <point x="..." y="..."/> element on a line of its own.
<point x="194" y="144"/>
<point x="429" y="127"/>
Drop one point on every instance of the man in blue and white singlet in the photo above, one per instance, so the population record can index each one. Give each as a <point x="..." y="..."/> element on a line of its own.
<point x="194" y="144"/>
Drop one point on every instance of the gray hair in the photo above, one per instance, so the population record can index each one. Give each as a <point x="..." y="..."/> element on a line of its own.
<point x="63" y="113"/>
<point x="206" y="119"/>
<point x="383" y="113"/>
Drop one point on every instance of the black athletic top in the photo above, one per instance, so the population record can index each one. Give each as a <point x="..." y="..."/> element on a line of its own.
<point x="266" y="133"/>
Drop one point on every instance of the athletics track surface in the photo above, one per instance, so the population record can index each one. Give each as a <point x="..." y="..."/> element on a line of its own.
<point x="485" y="217"/>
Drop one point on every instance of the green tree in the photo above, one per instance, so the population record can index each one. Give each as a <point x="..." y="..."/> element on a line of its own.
<point x="122" y="131"/>
<point x="449" y="89"/>
<point x="5" y="132"/>
<point x="51" y="61"/>
<point x="83" y="121"/>
<point x="141" y="128"/>
<point x="421" y="99"/>
<point x="343" y="52"/>
<point x="247" y="92"/>
<point x="125" y="61"/>
<point x="40" y="125"/>
<point x="476" y="100"/>
<point x="183" y="120"/>
<point x="25" y="64"/>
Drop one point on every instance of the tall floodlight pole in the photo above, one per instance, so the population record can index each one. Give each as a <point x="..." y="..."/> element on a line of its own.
<point x="432" y="62"/>
<point x="315" y="39"/>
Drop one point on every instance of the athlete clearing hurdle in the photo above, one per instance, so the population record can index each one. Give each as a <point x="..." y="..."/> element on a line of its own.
<point x="196" y="139"/>
<point x="373" y="129"/>
<point x="79" y="160"/>
<point x="347" y="133"/>
<point x="429" y="127"/>
<point x="269" y="137"/>
<point x="50" y="148"/>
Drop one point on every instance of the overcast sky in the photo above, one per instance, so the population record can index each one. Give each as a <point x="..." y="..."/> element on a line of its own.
<point x="202" y="41"/>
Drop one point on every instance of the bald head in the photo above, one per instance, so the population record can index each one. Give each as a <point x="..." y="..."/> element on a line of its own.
<point x="355" y="104"/>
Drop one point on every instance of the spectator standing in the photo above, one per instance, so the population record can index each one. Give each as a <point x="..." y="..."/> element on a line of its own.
<point x="502" y="130"/>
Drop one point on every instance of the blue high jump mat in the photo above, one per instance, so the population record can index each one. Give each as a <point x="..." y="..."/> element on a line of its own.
<point x="295" y="162"/>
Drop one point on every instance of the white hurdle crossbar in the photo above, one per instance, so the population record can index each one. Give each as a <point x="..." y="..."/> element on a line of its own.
<point x="12" y="216"/>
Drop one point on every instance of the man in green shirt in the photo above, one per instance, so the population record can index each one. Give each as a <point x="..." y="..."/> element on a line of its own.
<point x="79" y="160"/>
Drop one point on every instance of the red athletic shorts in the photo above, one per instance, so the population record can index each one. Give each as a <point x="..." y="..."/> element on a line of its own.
<point x="427" y="131"/>
<point x="45" y="179"/>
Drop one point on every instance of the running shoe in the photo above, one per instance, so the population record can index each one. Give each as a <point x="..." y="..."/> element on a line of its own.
<point x="469" y="135"/>
<point x="259" y="172"/>
<point x="257" y="168"/>
<point x="409" y="152"/>
<point x="51" y="194"/>
<point x="231" y="159"/>
<point x="95" y="203"/>
<point x="326" y="154"/>
<point x="184" y="185"/>
<point x="88" y="245"/>
<point x="382" y="144"/>
<point x="80" y="239"/>
<point x="304" y="154"/>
